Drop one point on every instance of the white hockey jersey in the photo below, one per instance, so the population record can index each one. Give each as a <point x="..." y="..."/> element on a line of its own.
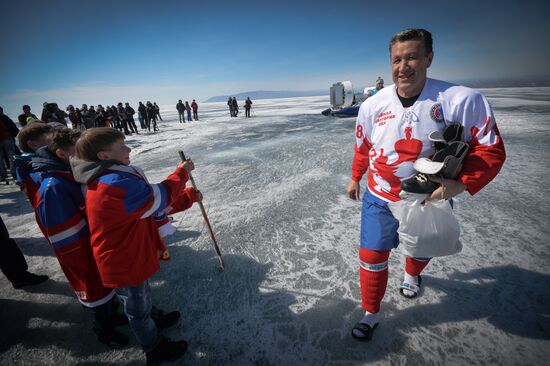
<point x="389" y="137"/>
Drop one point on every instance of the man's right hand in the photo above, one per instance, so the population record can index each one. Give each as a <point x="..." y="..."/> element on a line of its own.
<point x="354" y="190"/>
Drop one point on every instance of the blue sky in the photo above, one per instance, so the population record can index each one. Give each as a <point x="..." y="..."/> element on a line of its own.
<point x="109" y="51"/>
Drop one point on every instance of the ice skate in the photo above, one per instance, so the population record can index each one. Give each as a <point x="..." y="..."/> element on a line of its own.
<point x="446" y="162"/>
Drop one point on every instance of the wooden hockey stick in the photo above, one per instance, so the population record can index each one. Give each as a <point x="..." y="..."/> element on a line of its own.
<point x="204" y="215"/>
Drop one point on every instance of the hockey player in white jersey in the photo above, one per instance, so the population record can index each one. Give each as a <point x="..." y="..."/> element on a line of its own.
<point x="391" y="133"/>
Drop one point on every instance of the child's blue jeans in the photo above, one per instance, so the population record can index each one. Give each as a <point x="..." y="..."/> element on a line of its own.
<point x="138" y="308"/>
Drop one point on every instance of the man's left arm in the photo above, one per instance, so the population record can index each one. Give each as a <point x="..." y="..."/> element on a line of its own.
<point x="486" y="154"/>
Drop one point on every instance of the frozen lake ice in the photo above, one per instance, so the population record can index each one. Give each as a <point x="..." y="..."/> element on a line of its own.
<point x="274" y="187"/>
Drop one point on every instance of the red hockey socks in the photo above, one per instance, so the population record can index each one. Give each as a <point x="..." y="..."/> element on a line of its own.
<point x="411" y="282"/>
<point x="414" y="266"/>
<point x="373" y="276"/>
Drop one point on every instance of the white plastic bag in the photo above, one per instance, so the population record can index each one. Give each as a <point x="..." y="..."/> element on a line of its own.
<point x="426" y="228"/>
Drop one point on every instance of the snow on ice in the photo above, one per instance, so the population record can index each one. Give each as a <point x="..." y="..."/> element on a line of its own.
<point x="274" y="187"/>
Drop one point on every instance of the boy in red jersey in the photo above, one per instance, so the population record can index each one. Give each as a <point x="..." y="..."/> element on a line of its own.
<point x="126" y="243"/>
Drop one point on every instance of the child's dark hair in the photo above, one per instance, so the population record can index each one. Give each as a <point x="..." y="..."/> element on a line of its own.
<point x="62" y="138"/>
<point x="95" y="140"/>
<point x="32" y="132"/>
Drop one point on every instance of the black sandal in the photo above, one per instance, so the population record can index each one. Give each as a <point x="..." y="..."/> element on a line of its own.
<point x="366" y="331"/>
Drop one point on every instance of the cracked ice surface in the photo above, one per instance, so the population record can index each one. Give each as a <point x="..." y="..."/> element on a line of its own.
<point x="273" y="187"/>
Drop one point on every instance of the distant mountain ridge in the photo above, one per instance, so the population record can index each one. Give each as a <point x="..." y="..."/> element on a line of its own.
<point x="528" y="81"/>
<point x="268" y="94"/>
<point x="516" y="82"/>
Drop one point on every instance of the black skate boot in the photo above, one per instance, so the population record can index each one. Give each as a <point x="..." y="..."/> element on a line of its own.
<point x="166" y="320"/>
<point x="419" y="184"/>
<point x="451" y="133"/>
<point x="105" y="321"/>
<point x="111" y="338"/>
<point x="446" y="162"/>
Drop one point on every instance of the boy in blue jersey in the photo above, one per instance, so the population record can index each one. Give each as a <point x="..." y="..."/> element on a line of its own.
<point x="30" y="138"/>
<point x="60" y="214"/>
<point x="12" y="261"/>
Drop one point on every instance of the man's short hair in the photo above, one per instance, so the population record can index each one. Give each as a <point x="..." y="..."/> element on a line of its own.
<point x="32" y="132"/>
<point x="414" y="34"/>
<point x="95" y="140"/>
<point x="62" y="138"/>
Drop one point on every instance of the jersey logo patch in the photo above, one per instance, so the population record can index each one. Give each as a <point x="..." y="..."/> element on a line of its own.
<point x="437" y="113"/>
<point x="384" y="117"/>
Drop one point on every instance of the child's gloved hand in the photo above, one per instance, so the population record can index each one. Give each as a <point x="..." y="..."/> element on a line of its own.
<point x="199" y="196"/>
<point x="188" y="165"/>
<point x="164" y="224"/>
<point x="194" y="195"/>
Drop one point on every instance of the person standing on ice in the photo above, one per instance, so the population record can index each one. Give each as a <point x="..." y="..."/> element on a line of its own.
<point x="230" y="105"/>
<point x="60" y="215"/>
<point x="151" y="117"/>
<point x="195" y="108"/>
<point x="379" y="84"/>
<point x="31" y="137"/>
<point x="181" y="111"/>
<point x="8" y="131"/>
<point x="130" y="117"/>
<point x="101" y="116"/>
<point x="75" y="118"/>
<point x="24" y="117"/>
<point x="235" y="106"/>
<point x="247" y="106"/>
<point x="52" y="113"/>
<point x="121" y="112"/>
<point x="391" y="132"/>
<point x="157" y="110"/>
<point x="122" y="209"/>
<point x="142" y="115"/>
<point x="188" y="109"/>
<point x="13" y="264"/>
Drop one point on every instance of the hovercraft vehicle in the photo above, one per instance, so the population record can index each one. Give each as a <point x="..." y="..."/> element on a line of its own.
<point x="344" y="102"/>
